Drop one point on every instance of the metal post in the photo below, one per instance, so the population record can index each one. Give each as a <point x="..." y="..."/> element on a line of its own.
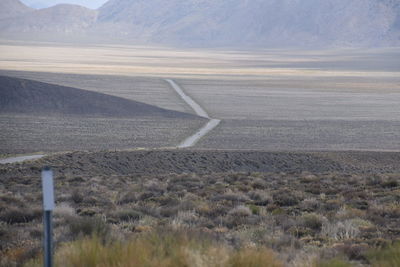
<point x="48" y="206"/>
<point x="48" y="239"/>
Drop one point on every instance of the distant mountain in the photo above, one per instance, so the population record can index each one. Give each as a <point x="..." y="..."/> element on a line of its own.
<point x="56" y="21"/>
<point x="32" y="97"/>
<point x="13" y="8"/>
<point x="258" y="22"/>
<point x="261" y="23"/>
<point x="48" y="3"/>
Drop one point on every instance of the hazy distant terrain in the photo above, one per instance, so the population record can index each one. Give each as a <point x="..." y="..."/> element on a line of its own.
<point x="233" y="23"/>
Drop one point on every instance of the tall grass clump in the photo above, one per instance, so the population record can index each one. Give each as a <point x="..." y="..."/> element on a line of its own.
<point x="254" y="257"/>
<point x="334" y="263"/>
<point x="161" y="250"/>
<point x="386" y="257"/>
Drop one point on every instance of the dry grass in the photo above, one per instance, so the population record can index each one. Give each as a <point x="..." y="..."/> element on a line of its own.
<point x="157" y="249"/>
<point x="387" y="257"/>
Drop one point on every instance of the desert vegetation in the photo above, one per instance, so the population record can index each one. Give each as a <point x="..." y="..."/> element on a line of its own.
<point x="304" y="218"/>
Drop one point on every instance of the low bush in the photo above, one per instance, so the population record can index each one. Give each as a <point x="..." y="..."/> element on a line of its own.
<point x="240" y="211"/>
<point x="88" y="226"/>
<point x="127" y="215"/>
<point x="285" y="198"/>
<point x="390" y="183"/>
<point x="312" y="221"/>
<point x="77" y="197"/>
<point x="20" y="215"/>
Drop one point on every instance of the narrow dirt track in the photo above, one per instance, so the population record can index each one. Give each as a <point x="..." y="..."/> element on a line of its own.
<point x="20" y="159"/>
<point x="192" y="140"/>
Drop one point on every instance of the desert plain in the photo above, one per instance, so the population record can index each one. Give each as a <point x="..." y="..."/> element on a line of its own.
<point x="304" y="162"/>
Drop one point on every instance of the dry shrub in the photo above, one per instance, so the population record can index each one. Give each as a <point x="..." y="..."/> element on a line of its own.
<point x="313" y="221"/>
<point x="341" y="230"/>
<point x="185" y="219"/>
<point x="286" y="198"/>
<point x="240" y="211"/>
<point x="77" y="197"/>
<point x="260" y="198"/>
<point x="128" y="197"/>
<point x="17" y="256"/>
<point x="234" y="197"/>
<point x="64" y="211"/>
<point x="20" y="215"/>
<point x="259" y="184"/>
<point x="346" y="213"/>
<point x="391" y="183"/>
<point x="352" y="251"/>
<point x="126" y="215"/>
<point x="310" y="204"/>
<point x="88" y="226"/>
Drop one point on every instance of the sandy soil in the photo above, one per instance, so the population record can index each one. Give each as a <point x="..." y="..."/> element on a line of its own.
<point x="289" y="135"/>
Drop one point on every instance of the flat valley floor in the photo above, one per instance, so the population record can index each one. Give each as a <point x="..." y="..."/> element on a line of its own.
<point x="343" y="99"/>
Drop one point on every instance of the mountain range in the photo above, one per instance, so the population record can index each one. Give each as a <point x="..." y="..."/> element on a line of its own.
<point x="210" y="23"/>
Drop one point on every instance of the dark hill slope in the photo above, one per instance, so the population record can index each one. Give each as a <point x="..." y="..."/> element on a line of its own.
<point x="27" y="96"/>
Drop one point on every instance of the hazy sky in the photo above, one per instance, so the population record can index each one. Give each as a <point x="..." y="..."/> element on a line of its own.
<point x="47" y="3"/>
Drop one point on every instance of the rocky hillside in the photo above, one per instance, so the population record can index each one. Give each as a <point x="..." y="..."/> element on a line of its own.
<point x="48" y="23"/>
<point x="12" y="8"/>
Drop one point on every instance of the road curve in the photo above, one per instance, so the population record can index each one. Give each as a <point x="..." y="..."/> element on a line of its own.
<point x="211" y="124"/>
<point x="188" y="142"/>
<point x="20" y="159"/>
<point x="192" y="140"/>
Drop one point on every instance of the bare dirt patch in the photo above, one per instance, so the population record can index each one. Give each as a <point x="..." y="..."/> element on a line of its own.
<point x="28" y="134"/>
<point x="288" y="135"/>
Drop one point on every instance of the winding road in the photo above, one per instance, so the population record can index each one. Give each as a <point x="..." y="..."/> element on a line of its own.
<point x="211" y="124"/>
<point x="188" y="142"/>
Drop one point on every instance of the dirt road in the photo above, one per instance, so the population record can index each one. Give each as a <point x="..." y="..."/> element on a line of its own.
<point x="192" y="140"/>
<point x="20" y="159"/>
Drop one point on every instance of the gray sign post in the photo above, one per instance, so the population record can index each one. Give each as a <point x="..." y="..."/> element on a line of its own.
<point x="48" y="206"/>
